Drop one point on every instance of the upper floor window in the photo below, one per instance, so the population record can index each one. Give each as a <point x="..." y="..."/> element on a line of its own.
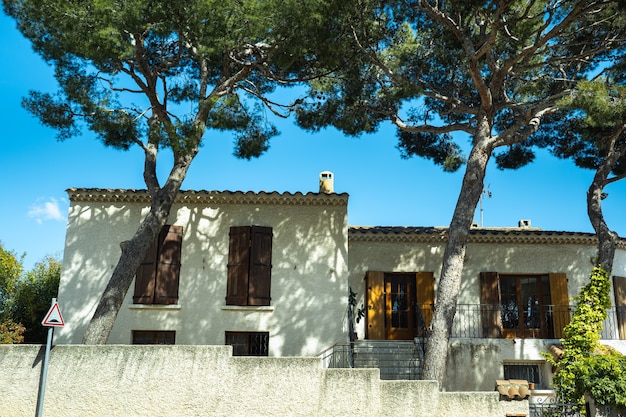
<point x="249" y="266"/>
<point x="157" y="278"/>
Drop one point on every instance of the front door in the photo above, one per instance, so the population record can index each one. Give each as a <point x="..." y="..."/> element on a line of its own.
<point x="400" y="306"/>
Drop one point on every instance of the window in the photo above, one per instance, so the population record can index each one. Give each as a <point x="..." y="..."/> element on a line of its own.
<point x="249" y="266"/>
<point x="528" y="371"/>
<point x="248" y="343"/>
<point x="154" y="337"/>
<point x="157" y="278"/>
<point x="517" y="305"/>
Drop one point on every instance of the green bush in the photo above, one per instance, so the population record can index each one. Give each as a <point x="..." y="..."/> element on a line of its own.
<point x="11" y="333"/>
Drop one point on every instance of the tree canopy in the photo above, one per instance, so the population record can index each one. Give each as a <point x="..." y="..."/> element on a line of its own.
<point x="488" y="72"/>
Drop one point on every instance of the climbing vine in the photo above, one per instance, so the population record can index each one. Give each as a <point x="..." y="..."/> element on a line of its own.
<point x="585" y="365"/>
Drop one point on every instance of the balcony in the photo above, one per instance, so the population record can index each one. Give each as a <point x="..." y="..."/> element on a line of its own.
<point x="539" y="322"/>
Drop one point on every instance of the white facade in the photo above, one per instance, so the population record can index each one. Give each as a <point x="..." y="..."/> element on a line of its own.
<point x="316" y="259"/>
<point x="309" y="267"/>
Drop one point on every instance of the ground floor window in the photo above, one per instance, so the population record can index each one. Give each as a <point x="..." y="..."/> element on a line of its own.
<point x="528" y="371"/>
<point x="154" y="337"/>
<point x="248" y="343"/>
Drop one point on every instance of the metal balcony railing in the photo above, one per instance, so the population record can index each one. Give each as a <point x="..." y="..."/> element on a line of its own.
<point x="538" y="322"/>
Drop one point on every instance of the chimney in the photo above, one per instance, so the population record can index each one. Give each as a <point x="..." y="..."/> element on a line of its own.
<point x="327" y="182"/>
<point x="524" y="224"/>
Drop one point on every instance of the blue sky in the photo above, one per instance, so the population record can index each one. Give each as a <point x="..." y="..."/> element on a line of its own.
<point x="384" y="189"/>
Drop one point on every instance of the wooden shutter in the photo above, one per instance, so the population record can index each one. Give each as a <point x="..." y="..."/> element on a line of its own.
<point x="145" y="277"/>
<point x="560" y="301"/>
<point x="619" y="292"/>
<point x="425" y="299"/>
<point x="490" y="304"/>
<point x="260" y="276"/>
<point x="375" y="302"/>
<point x="168" y="266"/>
<point x="238" y="264"/>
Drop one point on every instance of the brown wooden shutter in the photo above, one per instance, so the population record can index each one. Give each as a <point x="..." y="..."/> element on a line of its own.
<point x="490" y="304"/>
<point x="425" y="298"/>
<point x="145" y="277"/>
<point x="619" y="292"/>
<point x="238" y="265"/>
<point x="168" y="267"/>
<point x="375" y="305"/>
<point x="259" y="280"/>
<point x="560" y="301"/>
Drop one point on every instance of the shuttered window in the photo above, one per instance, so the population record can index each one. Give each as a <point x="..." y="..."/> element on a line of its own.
<point x="158" y="276"/>
<point x="249" y="266"/>
<point x="490" y="304"/>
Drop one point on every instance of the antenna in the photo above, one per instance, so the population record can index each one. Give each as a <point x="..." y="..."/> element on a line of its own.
<point x="487" y="193"/>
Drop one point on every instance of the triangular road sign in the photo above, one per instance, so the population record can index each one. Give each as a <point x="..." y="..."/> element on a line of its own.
<point x="54" y="317"/>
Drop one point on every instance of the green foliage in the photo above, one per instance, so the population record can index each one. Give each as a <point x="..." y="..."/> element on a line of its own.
<point x="32" y="298"/>
<point x="146" y="70"/>
<point x="10" y="273"/>
<point x="586" y="366"/>
<point x="11" y="333"/>
<point x="25" y="297"/>
<point x="432" y="68"/>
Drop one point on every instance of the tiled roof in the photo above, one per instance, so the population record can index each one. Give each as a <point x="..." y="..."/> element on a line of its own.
<point x="209" y="197"/>
<point x="476" y="235"/>
<point x="513" y="389"/>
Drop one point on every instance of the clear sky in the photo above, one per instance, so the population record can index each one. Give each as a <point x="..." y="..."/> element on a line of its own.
<point x="384" y="189"/>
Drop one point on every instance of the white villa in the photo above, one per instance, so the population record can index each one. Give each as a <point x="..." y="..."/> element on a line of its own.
<point x="270" y="273"/>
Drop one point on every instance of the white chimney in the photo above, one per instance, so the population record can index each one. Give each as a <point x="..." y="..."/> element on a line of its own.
<point x="327" y="182"/>
<point x="524" y="224"/>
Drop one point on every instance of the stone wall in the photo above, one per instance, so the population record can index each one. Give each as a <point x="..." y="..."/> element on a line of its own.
<point x="118" y="380"/>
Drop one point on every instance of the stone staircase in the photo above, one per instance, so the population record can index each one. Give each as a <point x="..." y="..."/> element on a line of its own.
<point x="397" y="360"/>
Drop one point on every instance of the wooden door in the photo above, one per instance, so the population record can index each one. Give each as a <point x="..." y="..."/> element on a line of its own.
<point x="400" y="306"/>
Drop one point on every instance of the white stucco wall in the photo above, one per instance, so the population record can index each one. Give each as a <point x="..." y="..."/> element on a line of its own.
<point x="185" y="381"/>
<point x="308" y="288"/>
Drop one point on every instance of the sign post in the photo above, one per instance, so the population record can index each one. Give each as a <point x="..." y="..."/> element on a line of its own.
<point x="53" y="319"/>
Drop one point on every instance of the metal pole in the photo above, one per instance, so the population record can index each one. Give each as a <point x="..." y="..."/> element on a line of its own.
<point x="44" y="369"/>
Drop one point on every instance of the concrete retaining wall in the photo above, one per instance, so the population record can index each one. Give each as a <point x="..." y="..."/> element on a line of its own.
<point x="117" y="380"/>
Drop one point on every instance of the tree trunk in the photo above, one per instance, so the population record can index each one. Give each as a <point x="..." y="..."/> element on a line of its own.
<point x="607" y="239"/>
<point x="453" y="260"/>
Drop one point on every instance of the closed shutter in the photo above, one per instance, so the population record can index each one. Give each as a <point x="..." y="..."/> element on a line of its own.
<point x="259" y="281"/>
<point x="619" y="290"/>
<point x="145" y="277"/>
<point x="425" y="299"/>
<point x="375" y="305"/>
<point x="168" y="267"/>
<point x="490" y="304"/>
<point x="560" y="301"/>
<point x="238" y="265"/>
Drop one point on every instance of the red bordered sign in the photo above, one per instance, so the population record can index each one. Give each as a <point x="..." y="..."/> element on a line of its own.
<point x="54" y="317"/>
